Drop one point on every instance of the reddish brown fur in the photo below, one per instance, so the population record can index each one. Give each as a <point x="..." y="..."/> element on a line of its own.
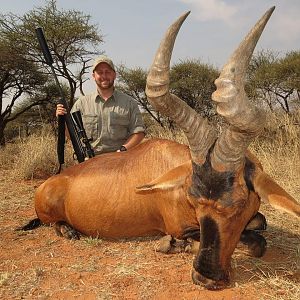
<point x="98" y="197"/>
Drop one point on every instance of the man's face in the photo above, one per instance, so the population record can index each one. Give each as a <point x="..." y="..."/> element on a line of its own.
<point x="104" y="76"/>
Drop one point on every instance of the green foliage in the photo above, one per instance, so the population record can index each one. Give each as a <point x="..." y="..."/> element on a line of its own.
<point x="289" y="69"/>
<point x="31" y="120"/>
<point x="193" y="82"/>
<point x="18" y="77"/>
<point x="133" y="83"/>
<point x="275" y="81"/>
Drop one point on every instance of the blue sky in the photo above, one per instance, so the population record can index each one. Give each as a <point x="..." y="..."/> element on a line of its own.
<point x="132" y="29"/>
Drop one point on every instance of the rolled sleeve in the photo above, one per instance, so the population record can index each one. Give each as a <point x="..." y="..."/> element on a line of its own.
<point x="136" y="120"/>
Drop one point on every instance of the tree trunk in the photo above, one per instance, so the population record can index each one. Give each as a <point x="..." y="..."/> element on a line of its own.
<point x="287" y="107"/>
<point x="2" y="137"/>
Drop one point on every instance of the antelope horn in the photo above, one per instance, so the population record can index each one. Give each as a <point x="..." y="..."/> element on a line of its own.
<point x="199" y="133"/>
<point x="245" y="120"/>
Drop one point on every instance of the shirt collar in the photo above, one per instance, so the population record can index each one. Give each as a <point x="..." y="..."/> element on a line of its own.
<point x="98" y="98"/>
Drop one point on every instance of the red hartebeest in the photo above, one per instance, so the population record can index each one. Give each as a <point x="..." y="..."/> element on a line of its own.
<point x="210" y="190"/>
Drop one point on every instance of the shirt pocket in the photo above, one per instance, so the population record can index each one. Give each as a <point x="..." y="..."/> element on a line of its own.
<point x="119" y="124"/>
<point x="91" y="125"/>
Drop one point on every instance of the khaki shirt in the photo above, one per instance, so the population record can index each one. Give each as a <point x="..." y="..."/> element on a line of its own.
<point x="109" y="123"/>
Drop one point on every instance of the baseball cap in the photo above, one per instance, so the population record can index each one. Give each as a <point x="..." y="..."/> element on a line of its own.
<point x="103" y="59"/>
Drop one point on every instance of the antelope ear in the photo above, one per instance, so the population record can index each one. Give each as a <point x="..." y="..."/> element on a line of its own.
<point x="172" y="179"/>
<point x="270" y="191"/>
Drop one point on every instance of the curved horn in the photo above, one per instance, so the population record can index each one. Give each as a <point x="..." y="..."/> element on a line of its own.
<point x="245" y="120"/>
<point x="199" y="133"/>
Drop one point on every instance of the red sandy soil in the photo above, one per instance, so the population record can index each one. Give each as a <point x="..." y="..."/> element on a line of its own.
<point x="40" y="265"/>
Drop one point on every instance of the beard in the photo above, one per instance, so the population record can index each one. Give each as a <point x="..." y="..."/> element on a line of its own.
<point x="105" y="85"/>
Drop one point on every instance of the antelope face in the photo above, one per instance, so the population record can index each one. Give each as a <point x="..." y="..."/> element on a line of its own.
<point x="224" y="204"/>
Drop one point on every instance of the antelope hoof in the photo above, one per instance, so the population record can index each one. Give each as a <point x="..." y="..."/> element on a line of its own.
<point x="256" y="243"/>
<point x="258" y="222"/>
<point x="208" y="283"/>
<point x="258" y="247"/>
<point x="65" y="230"/>
<point x="169" y="244"/>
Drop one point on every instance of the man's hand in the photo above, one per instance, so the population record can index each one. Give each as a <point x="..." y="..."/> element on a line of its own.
<point x="122" y="149"/>
<point x="60" y="110"/>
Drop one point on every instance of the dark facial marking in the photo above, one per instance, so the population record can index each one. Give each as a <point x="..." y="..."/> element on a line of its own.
<point x="207" y="259"/>
<point x="248" y="173"/>
<point x="211" y="184"/>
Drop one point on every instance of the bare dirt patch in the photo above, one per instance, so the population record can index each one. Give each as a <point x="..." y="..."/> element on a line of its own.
<point x="40" y="265"/>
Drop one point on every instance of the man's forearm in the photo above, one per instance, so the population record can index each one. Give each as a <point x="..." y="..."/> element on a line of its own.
<point x="134" y="140"/>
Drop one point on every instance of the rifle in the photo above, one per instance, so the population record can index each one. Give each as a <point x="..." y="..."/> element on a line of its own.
<point x="80" y="142"/>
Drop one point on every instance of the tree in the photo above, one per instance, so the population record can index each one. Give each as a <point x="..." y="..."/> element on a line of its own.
<point x="37" y="116"/>
<point x="133" y="83"/>
<point x="274" y="80"/>
<point x="193" y="82"/>
<point x="71" y="40"/>
<point x="292" y="60"/>
<point x="288" y="76"/>
<point x="18" y="77"/>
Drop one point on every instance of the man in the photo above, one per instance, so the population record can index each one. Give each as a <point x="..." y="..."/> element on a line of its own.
<point x="111" y="118"/>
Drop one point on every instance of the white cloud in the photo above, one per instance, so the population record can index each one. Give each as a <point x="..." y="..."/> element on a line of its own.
<point x="208" y="10"/>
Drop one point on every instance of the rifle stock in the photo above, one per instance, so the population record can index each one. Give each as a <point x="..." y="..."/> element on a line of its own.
<point x="80" y="142"/>
<point x="82" y="134"/>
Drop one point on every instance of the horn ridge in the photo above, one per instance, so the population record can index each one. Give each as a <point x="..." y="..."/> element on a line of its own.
<point x="245" y="120"/>
<point x="157" y="91"/>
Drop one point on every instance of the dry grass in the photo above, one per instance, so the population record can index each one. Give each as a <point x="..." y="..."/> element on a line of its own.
<point x="34" y="157"/>
<point x="278" y="149"/>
